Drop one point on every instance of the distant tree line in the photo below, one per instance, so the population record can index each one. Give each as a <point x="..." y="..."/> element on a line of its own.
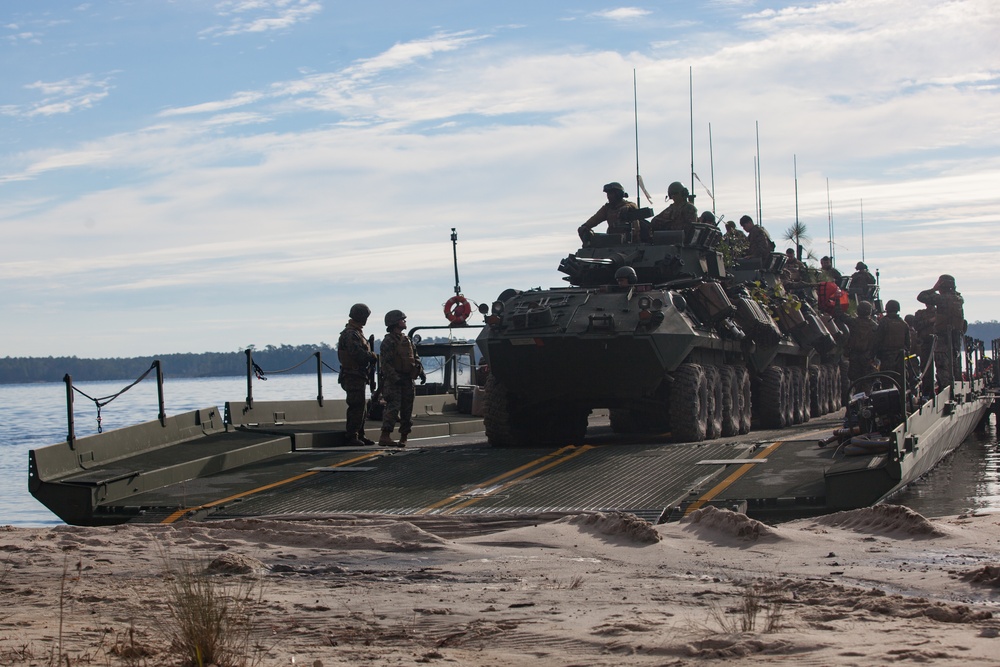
<point x="15" y="370"/>
<point x="20" y="370"/>
<point x="985" y="331"/>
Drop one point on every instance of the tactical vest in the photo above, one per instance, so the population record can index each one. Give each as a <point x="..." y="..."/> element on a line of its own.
<point x="949" y="313"/>
<point x="892" y="333"/>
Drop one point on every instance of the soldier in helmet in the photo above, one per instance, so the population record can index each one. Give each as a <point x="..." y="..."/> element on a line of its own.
<point x="949" y="328"/>
<point x="860" y="349"/>
<point x="734" y="243"/>
<point x="626" y="276"/>
<point x="400" y="366"/>
<point x="356" y="360"/>
<point x="681" y="213"/>
<point x="861" y="282"/>
<point x="611" y="213"/>
<point x="892" y="339"/>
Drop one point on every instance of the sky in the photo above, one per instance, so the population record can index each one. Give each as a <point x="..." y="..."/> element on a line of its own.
<point x="191" y="176"/>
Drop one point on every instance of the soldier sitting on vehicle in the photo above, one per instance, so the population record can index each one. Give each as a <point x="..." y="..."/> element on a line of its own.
<point x="759" y="243"/>
<point x="612" y="213"/>
<point x="862" y="283"/>
<point x="680" y="215"/>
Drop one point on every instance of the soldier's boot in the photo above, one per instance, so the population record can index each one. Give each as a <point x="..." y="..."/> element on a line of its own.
<point x="386" y="439"/>
<point x="367" y="442"/>
<point x="402" y="439"/>
<point x="353" y="441"/>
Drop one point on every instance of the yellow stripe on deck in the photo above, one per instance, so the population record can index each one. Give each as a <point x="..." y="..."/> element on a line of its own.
<point x="186" y="510"/>
<point x="733" y="476"/>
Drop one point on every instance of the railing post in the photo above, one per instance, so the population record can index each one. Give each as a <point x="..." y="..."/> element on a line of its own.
<point x="71" y="432"/>
<point x="162" y="415"/>
<point x="249" y="354"/>
<point x="319" y="378"/>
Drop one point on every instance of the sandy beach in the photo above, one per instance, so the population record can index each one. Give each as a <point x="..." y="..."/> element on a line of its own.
<point x="880" y="585"/>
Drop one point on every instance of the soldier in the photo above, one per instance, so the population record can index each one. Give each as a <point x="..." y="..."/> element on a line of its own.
<point x="759" y="242"/>
<point x="923" y="327"/>
<point x="626" y="277"/>
<point x="681" y="213"/>
<point x="611" y="213"/>
<point x="892" y="339"/>
<point x="861" y="283"/>
<point x="734" y="243"/>
<point x="949" y="328"/>
<point x="356" y="360"/>
<point x="861" y="344"/>
<point x="399" y="366"/>
<point x="794" y="270"/>
<point x="829" y="273"/>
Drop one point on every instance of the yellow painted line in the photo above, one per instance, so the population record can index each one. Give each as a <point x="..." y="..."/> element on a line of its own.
<point x="534" y="472"/>
<point x="531" y="464"/>
<point x="185" y="510"/>
<point x="733" y="476"/>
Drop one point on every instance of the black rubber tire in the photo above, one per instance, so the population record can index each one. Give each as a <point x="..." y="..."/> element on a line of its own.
<point x="789" y="397"/>
<point x="815" y="391"/>
<point x="773" y="398"/>
<point x="713" y="422"/>
<point x="745" y="403"/>
<point x="689" y="403"/>
<point x="730" y="402"/>
<point x="805" y="393"/>
<point x="499" y="423"/>
<point x="800" y="404"/>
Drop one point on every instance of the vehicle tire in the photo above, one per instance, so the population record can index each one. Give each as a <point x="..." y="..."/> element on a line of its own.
<point x="789" y="395"/>
<point x="773" y="398"/>
<point x="745" y="403"/>
<point x="713" y="423"/>
<point x="815" y="391"/>
<point x="730" y="402"/>
<point x="800" y="405"/>
<point x="501" y="417"/>
<point x="689" y="403"/>
<point x="804" y="394"/>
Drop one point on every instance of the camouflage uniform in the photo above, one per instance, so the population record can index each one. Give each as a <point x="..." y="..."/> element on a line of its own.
<point x="892" y="342"/>
<point x="399" y="367"/>
<point x="923" y="326"/>
<point x="611" y="214"/>
<point x="676" y="216"/>
<point x="759" y="243"/>
<point x="860" y="347"/>
<point x="861" y="285"/>
<point x="949" y="328"/>
<point x="355" y="357"/>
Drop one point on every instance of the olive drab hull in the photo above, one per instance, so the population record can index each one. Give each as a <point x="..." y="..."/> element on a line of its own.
<point x="691" y="347"/>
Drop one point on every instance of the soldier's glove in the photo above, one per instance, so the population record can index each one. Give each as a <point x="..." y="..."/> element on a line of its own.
<point x="423" y="377"/>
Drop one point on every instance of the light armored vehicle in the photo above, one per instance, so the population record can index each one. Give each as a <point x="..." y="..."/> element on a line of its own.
<point x="686" y="346"/>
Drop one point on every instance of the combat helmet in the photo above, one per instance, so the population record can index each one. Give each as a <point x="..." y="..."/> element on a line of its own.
<point x="394" y="317"/>
<point x="892" y="306"/>
<point x="865" y="308"/>
<point x="360" y="312"/>
<point x="626" y="272"/>
<point x="615" y="187"/>
<point x="946" y="281"/>
<point x="676" y="189"/>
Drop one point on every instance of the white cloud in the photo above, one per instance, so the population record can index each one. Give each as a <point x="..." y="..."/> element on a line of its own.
<point x="257" y="16"/>
<point x="622" y="13"/>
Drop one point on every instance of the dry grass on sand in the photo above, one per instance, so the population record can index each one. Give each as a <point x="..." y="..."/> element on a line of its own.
<point x="875" y="586"/>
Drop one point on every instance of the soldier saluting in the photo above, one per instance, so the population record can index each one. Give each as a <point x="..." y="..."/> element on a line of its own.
<point x="356" y="360"/>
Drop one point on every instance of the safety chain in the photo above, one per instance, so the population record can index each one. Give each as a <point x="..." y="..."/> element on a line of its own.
<point x="104" y="400"/>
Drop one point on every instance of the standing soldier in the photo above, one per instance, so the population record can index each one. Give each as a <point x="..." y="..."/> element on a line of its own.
<point x="356" y="359"/>
<point x="949" y="328"/>
<point x="892" y="339"/>
<point x="400" y="366"/>
<point x="611" y="213"/>
<point x="734" y="243"/>
<point x="923" y="327"/>
<point x="861" y="344"/>
<point x="829" y="273"/>
<point x="861" y="283"/>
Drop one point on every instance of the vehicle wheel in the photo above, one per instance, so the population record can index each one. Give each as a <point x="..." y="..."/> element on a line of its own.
<point x="689" y="403"/>
<point x="789" y="395"/>
<point x="502" y="418"/>
<point x="623" y="420"/>
<point x="746" y="406"/>
<point x="773" y="398"/>
<point x="713" y="424"/>
<point x="730" y="402"/>
<point x="797" y="385"/>
<point x="804" y="393"/>
<point x="815" y="391"/>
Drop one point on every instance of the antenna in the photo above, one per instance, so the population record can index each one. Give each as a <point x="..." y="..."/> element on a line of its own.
<point x="795" y="172"/>
<point x="756" y="190"/>
<point x="635" y="107"/>
<point x="454" y="254"/>
<point x="829" y="220"/>
<point x="862" y="229"/>
<point x="711" y="164"/>
<point x="760" y="203"/>
<point x="691" y="116"/>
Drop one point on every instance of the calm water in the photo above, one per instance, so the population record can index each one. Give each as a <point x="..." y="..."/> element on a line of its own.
<point x="34" y="415"/>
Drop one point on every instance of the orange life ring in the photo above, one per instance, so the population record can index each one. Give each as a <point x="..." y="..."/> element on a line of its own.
<point x="457" y="309"/>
